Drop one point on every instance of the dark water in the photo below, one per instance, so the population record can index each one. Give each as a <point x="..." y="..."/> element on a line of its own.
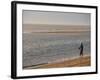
<point x="41" y="48"/>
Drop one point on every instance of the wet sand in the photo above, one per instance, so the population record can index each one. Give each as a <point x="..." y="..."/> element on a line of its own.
<point x="75" y="62"/>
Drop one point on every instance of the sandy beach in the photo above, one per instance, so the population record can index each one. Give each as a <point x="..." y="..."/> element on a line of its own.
<point x="74" y="62"/>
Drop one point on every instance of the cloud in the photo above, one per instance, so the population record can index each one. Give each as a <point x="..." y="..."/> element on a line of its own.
<point x="55" y="18"/>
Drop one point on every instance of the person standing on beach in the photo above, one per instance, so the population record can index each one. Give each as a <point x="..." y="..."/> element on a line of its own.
<point x="81" y="49"/>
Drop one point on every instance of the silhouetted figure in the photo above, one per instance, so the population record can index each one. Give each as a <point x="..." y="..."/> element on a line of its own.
<point x="81" y="49"/>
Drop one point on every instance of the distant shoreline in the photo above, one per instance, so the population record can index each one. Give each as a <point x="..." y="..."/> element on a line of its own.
<point x="72" y="62"/>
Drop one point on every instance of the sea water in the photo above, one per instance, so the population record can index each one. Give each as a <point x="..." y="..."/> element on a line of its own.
<point x="40" y="48"/>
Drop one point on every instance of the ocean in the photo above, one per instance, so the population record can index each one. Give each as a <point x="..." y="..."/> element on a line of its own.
<point x="41" y="48"/>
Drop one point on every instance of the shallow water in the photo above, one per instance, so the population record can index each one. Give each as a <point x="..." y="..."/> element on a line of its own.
<point x="41" y="48"/>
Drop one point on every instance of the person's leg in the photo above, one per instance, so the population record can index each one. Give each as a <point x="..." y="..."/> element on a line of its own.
<point x="81" y="53"/>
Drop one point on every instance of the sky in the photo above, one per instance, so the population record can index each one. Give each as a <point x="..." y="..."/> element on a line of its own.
<point x="55" y="18"/>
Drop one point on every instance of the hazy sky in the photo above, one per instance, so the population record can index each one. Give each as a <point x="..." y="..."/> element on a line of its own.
<point x="55" y="18"/>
